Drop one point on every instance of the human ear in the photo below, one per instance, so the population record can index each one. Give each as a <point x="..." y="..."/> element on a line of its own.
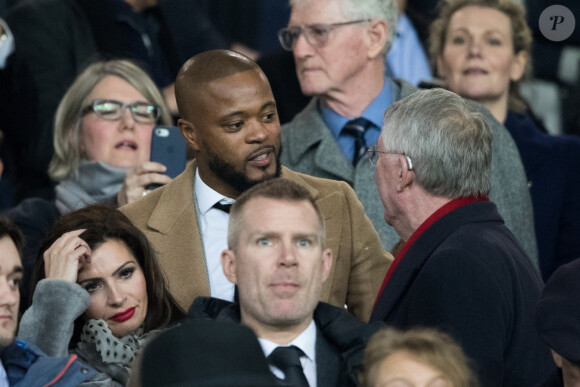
<point x="189" y="132"/>
<point x="228" y="259"/>
<point x="518" y="66"/>
<point x="407" y="175"/>
<point x="377" y="35"/>
<point x="326" y="264"/>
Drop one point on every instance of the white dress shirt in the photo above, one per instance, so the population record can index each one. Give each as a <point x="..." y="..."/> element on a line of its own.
<point x="306" y="341"/>
<point x="213" y="225"/>
<point x="3" y="376"/>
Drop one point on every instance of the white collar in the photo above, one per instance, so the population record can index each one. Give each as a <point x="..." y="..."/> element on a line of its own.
<point x="206" y="196"/>
<point x="306" y="341"/>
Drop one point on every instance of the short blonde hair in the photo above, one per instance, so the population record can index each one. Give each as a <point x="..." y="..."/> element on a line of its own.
<point x="521" y="36"/>
<point x="429" y="346"/>
<point x="68" y="117"/>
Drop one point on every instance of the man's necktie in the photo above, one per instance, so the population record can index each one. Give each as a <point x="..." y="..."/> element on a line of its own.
<point x="223" y="207"/>
<point x="357" y="128"/>
<point x="287" y="359"/>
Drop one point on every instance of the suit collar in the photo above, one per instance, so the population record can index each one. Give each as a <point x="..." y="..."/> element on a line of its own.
<point x="171" y="205"/>
<point x="297" y="178"/>
<point x="309" y="131"/>
<point x="418" y="254"/>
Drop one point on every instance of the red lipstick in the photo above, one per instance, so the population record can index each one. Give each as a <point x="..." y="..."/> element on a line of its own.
<point x="124" y="316"/>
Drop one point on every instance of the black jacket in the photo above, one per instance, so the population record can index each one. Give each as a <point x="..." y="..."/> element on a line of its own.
<point x="340" y="343"/>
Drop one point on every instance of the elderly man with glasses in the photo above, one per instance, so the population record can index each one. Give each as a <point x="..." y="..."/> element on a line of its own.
<point x="339" y="48"/>
<point x="461" y="270"/>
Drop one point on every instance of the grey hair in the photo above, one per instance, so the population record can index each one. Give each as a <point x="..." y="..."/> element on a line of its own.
<point x="448" y="141"/>
<point x="370" y="9"/>
<point x="68" y="117"/>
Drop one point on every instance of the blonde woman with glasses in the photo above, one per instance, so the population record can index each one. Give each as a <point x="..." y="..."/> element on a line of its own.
<point x="102" y="138"/>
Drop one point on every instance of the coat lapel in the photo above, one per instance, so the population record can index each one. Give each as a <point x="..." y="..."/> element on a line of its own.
<point x="309" y="130"/>
<point x="174" y="218"/>
<point x="419" y="253"/>
<point x="327" y="362"/>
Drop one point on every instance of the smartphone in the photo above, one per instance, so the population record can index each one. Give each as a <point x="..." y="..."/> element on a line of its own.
<point x="169" y="148"/>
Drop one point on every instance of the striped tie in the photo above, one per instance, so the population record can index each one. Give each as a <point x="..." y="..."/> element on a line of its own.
<point x="357" y="128"/>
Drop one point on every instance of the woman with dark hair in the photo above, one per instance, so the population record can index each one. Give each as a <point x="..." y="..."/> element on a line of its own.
<point x="99" y="292"/>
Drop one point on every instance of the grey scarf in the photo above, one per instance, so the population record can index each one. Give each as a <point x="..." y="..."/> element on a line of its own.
<point x="93" y="183"/>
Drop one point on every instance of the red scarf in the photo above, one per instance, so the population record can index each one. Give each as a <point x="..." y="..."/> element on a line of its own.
<point x="441" y="212"/>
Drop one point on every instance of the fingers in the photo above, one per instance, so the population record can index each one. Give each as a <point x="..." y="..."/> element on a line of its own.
<point x="66" y="255"/>
<point x="149" y="166"/>
<point x="140" y="177"/>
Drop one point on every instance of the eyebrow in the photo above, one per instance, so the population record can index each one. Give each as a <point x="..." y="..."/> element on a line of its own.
<point x="270" y="104"/>
<point x="266" y="234"/>
<point x="120" y="268"/>
<point x="17" y="270"/>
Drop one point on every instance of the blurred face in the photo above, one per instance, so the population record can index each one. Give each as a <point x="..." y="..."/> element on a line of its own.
<point x="325" y="70"/>
<point x="121" y="143"/>
<point x="278" y="264"/>
<point x="117" y="287"/>
<point x="236" y="135"/>
<point x="401" y="369"/>
<point x="10" y="277"/>
<point x="478" y="59"/>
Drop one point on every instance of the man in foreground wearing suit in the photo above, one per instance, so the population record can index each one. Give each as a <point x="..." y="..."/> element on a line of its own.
<point x="339" y="47"/>
<point x="277" y="257"/>
<point x="461" y="269"/>
<point x="229" y="118"/>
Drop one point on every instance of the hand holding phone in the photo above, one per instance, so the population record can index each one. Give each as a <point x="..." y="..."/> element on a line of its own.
<point x="169" y="148"/>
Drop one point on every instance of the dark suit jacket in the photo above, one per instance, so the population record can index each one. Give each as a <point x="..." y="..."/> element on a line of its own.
<point x="552" y="165"/>
<point x="340" y="338"/>
<point x="467" y="275"/>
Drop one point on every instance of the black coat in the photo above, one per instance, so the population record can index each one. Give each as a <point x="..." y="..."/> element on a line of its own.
<point x="467" y="275"/>
<point x="340" y="338"/>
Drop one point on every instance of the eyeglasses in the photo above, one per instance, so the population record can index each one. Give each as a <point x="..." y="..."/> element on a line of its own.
<point x="112" y="110"/>
<point x="374" y="157"/>
<point x="316" y="34"/>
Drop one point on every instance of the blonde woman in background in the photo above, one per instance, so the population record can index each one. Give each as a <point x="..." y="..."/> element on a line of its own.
<point x="415" y="358"/>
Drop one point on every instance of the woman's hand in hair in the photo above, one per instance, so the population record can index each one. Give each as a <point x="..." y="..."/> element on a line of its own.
<point x="66" y="256"/>
<point x="138" y="178"/>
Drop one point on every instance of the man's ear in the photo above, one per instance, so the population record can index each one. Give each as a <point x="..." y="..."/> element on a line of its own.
<point x="377" y="35"/>
<point x="407" y="175"/>
<point x="228" y="259"/>
<point x="189" y="132"/>
<point x="326" y="264"/>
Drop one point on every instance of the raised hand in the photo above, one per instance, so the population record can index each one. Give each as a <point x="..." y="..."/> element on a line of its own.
<point x="66" y="256"/>
<point x="150" y="172"/>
